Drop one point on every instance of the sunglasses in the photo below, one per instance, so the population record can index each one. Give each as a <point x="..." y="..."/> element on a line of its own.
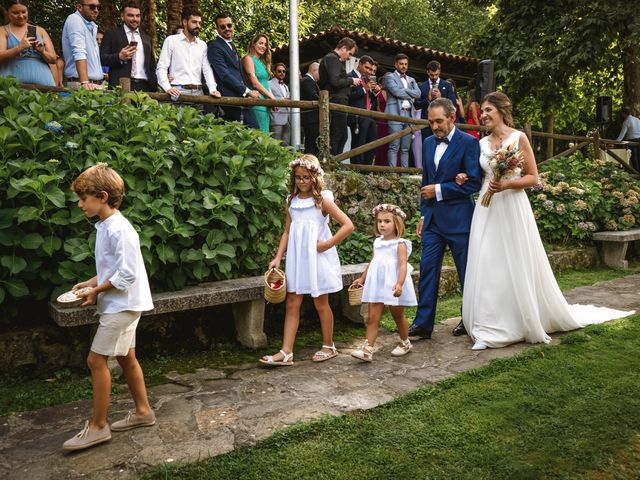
<point x="92" y="6"/>
<point x="281" y="71"/>
<point x="228" y="26"/>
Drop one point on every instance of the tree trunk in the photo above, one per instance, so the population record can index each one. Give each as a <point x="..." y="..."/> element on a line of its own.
<point x="195" y="4"/>
<point x="174" y="14"/>
<point x="631" y="70"/>
<point x="148" y="21"/>
<point x="109" y="15"/>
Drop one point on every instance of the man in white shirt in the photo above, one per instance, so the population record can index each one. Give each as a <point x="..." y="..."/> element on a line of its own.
<point x="630" y="131"/>
<point x="184" y="56"/>
<point x="279" y="123"/>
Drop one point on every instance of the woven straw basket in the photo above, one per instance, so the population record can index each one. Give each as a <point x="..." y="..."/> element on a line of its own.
<point x="355" y="294"/>
<point x="271" y="294"/>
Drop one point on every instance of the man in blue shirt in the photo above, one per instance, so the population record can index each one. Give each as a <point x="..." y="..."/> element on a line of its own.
<point x="80" y="49"/>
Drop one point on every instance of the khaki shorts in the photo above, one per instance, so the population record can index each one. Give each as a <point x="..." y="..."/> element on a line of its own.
<point x="116" y="334"/>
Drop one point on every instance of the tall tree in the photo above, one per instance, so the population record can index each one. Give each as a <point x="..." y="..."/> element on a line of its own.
<point x="542" y="47"/>
<point x="148" y="22"/>
<point x="174" y="14"/>
<point x="109" y="15"/>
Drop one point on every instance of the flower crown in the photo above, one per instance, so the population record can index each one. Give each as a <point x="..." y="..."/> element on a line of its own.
<point x="308" y="164"/>
<point x="388" y="207"/>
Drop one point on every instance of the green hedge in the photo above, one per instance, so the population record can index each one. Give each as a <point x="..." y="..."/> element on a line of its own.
<point x="580" y="195"/>
<point x="206" y="197"/>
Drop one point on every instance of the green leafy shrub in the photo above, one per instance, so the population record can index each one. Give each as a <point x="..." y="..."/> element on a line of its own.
<point x="205" y="196"/>
<point x="581" y="195"/>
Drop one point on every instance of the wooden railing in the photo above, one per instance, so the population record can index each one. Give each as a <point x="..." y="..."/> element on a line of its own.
<point x="324" y="107"/>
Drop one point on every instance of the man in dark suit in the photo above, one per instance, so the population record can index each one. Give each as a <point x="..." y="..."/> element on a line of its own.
<point x="334" y="78"/>
<point x="446" y="207"/>
<point x="432" y="88"/>
<point x="129" y="53"/>
<point x="363" y="129"/>
<point x="225" y="61"/>
<point x="309" y="90"/>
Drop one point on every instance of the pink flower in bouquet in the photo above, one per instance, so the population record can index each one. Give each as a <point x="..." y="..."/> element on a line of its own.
<point x="504" y="162"/>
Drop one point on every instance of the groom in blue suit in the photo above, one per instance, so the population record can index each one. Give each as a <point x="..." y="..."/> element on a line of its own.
<point x="446" y="207"/>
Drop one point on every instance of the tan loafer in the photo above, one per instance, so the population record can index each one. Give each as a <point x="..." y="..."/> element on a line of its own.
<point x="87" y="438"/>
<point x="133" y="420"/>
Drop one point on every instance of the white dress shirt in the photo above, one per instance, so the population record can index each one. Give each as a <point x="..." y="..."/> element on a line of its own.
<point x="119" y="260"/>
<point x="440" y="149"/>
<point x="139" y="73"/>
<point x="630" y="128"/>
<point x="186" y="61"/>
<point x="406" y="104"/>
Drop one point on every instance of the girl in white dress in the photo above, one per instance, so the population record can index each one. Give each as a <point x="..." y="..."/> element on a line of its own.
<point x="312" y="264"/>
<point x="510" y="292"/>
<point x="387" y="280"/>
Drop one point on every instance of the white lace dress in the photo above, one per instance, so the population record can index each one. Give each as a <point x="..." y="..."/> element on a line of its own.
<point x="510" y="293"/>
<point x="307" y="270"/>
<point x="383" y="273"/>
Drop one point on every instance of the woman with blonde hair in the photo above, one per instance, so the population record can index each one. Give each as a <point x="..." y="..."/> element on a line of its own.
<point x="257" y="68"/>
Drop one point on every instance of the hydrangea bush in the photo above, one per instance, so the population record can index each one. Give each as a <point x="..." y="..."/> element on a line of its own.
<point x="579" y="195"/>
<point x="207" y="198"/>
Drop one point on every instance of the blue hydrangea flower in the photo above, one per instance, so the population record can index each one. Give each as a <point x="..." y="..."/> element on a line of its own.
<point x="54" y="127"/>
<point x="64" y="94"/>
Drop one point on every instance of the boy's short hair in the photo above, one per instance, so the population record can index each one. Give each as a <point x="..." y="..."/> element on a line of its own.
<point x="97" y="179"/>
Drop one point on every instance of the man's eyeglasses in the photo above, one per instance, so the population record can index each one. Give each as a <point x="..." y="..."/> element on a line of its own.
<point x="304" y="179"/>
<point x="228" y="26"/>
<point x="92" y="6"/>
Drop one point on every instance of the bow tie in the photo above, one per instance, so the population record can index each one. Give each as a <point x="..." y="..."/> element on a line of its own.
<point x="442" y="140"/>
<point x="281" y="82"/>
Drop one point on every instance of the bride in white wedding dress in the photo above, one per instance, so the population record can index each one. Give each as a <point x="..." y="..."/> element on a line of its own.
<point x="510" y="293"/>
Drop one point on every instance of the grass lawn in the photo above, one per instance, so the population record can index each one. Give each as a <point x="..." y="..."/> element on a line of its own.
<point x="570" y="411"/>
<point x="19" y="394"/>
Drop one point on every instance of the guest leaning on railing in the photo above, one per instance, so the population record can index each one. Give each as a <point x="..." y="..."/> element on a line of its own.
<point x="25" y="50"/>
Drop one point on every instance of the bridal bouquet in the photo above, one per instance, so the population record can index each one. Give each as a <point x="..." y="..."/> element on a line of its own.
<point x="504" y="162"/>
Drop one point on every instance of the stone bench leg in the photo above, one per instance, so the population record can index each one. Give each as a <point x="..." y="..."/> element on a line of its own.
<point x="614" y="253"/>
<point x="249" y="320"/>
<point x="358" y="313"/>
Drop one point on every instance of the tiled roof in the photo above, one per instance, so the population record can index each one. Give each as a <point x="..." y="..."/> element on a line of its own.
<point x="404" y="46"/>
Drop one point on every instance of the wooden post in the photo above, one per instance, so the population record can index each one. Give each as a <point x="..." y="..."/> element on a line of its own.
<point x="550" y="139"/>
<point x="125" y="84"/>
<point x="527" y="132"/>
<point x="596" y="146"/>
<point x="323" y="114"/>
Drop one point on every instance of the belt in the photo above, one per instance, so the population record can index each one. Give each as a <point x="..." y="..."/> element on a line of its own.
<point x="140" y="80"/>
<point x="76" y="79"/>
<point x="188" y="86"/>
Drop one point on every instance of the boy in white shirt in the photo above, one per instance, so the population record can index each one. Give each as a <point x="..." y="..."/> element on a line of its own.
<point x="121" y="290"/>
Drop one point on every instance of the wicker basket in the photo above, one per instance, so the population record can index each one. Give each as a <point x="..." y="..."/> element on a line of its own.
<point x="355" y="294"/>
<point x="275" y="294"/>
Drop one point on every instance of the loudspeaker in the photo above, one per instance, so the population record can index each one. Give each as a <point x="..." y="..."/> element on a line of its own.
<point x="604" y="106"/>
<point x="485" y="79"/>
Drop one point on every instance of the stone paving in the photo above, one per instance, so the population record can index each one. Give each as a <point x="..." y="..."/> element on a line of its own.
<point x="211" y="412"/>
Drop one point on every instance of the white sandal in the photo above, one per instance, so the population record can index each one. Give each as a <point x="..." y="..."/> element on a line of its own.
<point x="402" y="349"/>
<point x="321" y="356"/>
<point x="286" y="360"/>
<point x="364" y="353"/>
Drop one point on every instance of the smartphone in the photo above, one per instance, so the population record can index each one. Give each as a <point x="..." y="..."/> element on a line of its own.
<point x="133" y="44"/>
<point x="31" y="32"/>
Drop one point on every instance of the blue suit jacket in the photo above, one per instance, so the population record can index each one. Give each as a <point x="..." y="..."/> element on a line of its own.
<point x="453" y="213"/>
<point x="446" y="90"/>
<point x="227" y="68"/>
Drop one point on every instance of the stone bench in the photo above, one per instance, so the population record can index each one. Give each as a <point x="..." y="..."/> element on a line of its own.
<point x="246" y="296"/>
<point x="614" y="246"/>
